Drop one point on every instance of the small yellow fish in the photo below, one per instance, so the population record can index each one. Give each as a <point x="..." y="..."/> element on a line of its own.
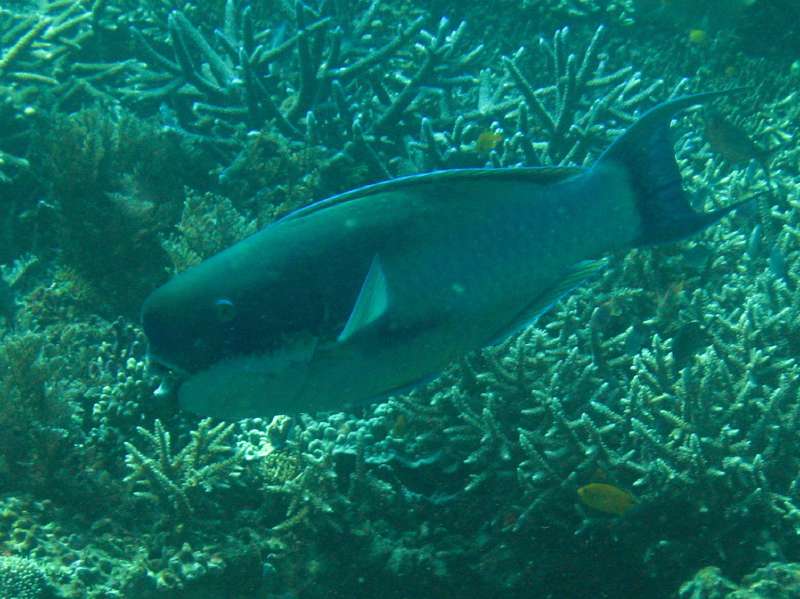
<point x="606" y="498"/>
<point x="487" y="141"/>
<point x="698" y="37"/>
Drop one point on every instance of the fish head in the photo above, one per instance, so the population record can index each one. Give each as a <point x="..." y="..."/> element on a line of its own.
<point x="190" y="322"/>
<point x="210" y="325"/>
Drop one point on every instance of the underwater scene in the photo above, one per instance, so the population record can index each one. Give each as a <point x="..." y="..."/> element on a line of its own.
<point x="395" y="299"/>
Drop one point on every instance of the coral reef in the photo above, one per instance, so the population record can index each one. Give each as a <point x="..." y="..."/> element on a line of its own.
<point x="142" y="137"/>
<point x="352" y="85"/>
<point x="41" y="66"/>
<point x="173" y="480"/>
<point x="22" y="578"/>
<point x="112" y="178"/>
<point x="775" y="580"/>
<point x="33" y="414"/>
<point x="208" y="224"/>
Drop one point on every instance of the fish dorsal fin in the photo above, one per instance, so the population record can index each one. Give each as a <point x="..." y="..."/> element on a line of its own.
<point x="371" y="303"/>
<point x="574" y="276"/>
<point x="542" y="175"/>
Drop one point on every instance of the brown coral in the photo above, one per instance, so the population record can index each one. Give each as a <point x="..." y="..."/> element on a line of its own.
<point x="115" y="181"/>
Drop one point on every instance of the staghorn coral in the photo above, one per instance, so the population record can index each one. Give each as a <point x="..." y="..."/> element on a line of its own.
<point x="330" y="81"/>
<point x="177" y="481"/>
<point x="37" y="46"/>
<point x="579" y="118"/>
<point x="681" y="388"/>
<point x="623" y="11"/>
<point x="585" y="105"/>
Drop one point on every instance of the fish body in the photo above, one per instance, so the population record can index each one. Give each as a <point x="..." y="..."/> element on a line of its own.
<point x="698" y="37"/>
<point x="731" y="142"/>
<point x="606" y="498"/>
<point x="488" y="141"/>
<point x="373" y="290"/>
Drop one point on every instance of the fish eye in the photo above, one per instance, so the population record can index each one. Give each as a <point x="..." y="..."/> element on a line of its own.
<point x="224" y="310"/>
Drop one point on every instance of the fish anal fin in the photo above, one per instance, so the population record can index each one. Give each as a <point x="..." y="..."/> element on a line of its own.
<point x="572" y="278"/>
<point x="371" y="304"/>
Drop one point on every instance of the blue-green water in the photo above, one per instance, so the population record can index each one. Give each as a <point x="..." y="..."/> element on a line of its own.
<point x="638" y="440"/>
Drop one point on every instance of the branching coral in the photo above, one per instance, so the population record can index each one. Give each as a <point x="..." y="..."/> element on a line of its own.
<point x="177" y="481"/>
<point x="326" y="80"/>
<point x="623" y="10"/>
<point x="208" y="225"/>
<point x="33" y="415"/>
<point x="117" y="387"/>
<point x="776" y="580"/>
<point x="565" y="120"/>
<point x="71" y="393"/>
<point x="589" y="105"/>
<point x="35" y="50"/>
<point x="113" y="178"/>
<point x="673" y="378"/>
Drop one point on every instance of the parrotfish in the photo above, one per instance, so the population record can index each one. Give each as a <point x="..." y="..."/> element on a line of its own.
<point x="354" y="297"/>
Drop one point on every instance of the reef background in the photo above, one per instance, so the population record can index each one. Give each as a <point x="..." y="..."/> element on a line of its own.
<point x="139" y="137"/>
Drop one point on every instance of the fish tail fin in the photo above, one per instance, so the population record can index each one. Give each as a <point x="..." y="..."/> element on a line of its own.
<point x="646" y="153"/>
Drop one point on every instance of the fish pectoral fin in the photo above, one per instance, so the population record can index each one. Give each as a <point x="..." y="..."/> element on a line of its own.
<point x="573" y="277"/>
<point x="576" y="275"/>
<point x="371" y="304"/>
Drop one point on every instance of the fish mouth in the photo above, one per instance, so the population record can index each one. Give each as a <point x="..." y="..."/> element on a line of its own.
<point x="160" y="365"/>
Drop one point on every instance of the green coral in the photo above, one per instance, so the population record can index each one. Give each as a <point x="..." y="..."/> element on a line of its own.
<point x="672" y="377"/>
<point x="37" y="46"/>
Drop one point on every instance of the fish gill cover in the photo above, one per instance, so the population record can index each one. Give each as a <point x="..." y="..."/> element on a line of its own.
<point x="139" y="138"/>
